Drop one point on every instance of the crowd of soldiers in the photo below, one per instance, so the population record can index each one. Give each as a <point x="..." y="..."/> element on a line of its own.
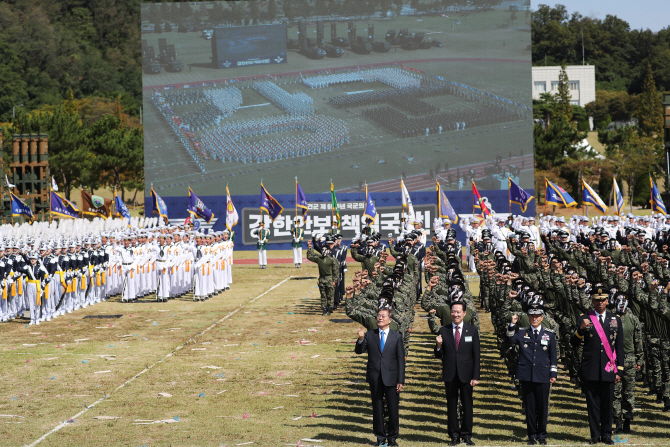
<point x="559" y="266"/>
<point x="391" y="76"/>
<point x="45" y="270"/>
<point x="427" y="89"/>
<point x="325" y="134"/>
<point x="292" y="103"/>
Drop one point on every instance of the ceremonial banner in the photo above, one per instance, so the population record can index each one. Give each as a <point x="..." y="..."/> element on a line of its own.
<point x="407" y="207"/>
<point x="656" y="200"/>
<point x="92" y="205"/>
<point x="589" y="197"/>
<point x="19" y="208"/>
<point x="158" y="206"/>
<point x="518" y="195"/>
<point x="333" y="204"/>
<point x="269" y="204"/>
<point x="196" y="207"/>
<point x="618" y="199"/>
<point x="444" y="208"/>
<point x="478" y="201"/>
<point x="62" y="207"/>
<point x="300" y="199"/>
<point x="231" y="213"/>
<point x="555" y="195"/>
<point x="370" y="210"/>
<point x="121" y="208"/>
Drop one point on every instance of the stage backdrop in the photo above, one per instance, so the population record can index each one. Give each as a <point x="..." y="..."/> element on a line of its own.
<point x="318" y="217"/>
<point x="353" y="96"/>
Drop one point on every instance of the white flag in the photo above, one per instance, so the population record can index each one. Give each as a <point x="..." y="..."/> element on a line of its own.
<point x="9" y="185"/>
<point x="54" y="185"/>
<point x="231" y="213"/>
<point x="407" y="207"/>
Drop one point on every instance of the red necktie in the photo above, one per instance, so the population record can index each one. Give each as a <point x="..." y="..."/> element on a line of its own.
<point x="457" y="337"/>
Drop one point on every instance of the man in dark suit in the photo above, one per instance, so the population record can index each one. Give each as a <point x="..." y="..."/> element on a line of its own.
<point x="602" y="363"/>
<point x="458" y="347"/>
<point x="537" y="369"/>
<point x="385" y="374"/>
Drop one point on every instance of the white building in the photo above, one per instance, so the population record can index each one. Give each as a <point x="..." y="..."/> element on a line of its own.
<point x="582" y="80"/>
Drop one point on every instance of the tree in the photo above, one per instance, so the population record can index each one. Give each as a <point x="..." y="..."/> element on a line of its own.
<point x="168" y="27"/>
<point x="158" y="28"/>
<point x="254" y="11"/>
<point x="289" y="11"/>
<point x="556" y="144"/>
<point x="544" y="108"/>
<point x="272" y="10"/>
<point x="649" y="112"/>
<point x="216" y="13"/>
<point x="563" y="107"/>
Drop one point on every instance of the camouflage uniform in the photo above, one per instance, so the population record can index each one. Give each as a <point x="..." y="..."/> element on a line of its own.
<point x="329" y="271"/>
<point x="624" y="391"/>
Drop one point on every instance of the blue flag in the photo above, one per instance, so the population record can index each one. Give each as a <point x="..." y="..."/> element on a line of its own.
<point x="618" y="199"/>
<point x="444" y="208"/>
<point x="158" y="206"/>
<point x="556" y="195"/>
<point x="197" y="208"/>
<point x="62" y="207"/>
<point x="370" y="210"/>
<point x="300" y="199"/>
<point x="656" y="200"/>
<point x="270" y="204"/>
<point x="518" y="195"/>
<point x="120" y="206"/>
<point x="589" y="197"/>
<point x="19" y="208"/>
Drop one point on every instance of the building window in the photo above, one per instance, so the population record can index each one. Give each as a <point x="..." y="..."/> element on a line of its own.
<point x="540" y="86"/>
<point x="574" y="102"/>
<point x="574" y="85"/>
<point x="555" y="85"/>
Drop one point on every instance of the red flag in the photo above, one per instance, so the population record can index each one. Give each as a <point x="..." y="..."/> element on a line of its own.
<point x="478" y="200"/>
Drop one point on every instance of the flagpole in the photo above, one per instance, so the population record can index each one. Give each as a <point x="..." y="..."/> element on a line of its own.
<point x="296" y="197"/>
<point x="473" y="199"/>
<point x="509" y="195"/>
<point x="545" y="196"/>
<point x="332" y="211"/>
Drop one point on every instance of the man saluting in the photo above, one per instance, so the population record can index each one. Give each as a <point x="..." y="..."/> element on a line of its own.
<point x="602" y="363"/>
<point x="385" y="374"/>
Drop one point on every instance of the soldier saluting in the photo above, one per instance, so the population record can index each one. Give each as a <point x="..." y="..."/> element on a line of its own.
<point x="329" y="271"/>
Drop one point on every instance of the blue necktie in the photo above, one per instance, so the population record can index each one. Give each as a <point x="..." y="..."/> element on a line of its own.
<point x="383" y="341"/>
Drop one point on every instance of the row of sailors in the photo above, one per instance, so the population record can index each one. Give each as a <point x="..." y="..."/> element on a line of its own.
<point x="62" y="277"/>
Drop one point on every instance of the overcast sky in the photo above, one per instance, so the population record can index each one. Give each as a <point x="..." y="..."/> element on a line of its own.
<point x="652" y="14"/>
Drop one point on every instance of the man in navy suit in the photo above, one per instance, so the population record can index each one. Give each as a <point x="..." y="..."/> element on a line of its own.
<point x="385" y="374"/>
<point x="458" y="347"/>
<point x="602" y="363"/>
<point x="537" y="369"/>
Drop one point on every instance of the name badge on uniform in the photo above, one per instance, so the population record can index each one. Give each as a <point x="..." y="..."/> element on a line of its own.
<point x="468" y="339"/>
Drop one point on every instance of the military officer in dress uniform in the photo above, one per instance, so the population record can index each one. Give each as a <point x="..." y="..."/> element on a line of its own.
<point x="537" y="369"/>
<point x="298" y="234"/>
<point x="262" y="244"/>
<point x="601" y="332"/>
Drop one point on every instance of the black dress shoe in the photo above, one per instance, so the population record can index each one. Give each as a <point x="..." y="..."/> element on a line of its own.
<point x="532" y="442"/>
<point x="542" y="441"/>
<point x="455" y="441"/>
<point x="393" y="444"/>
<point x="380" y="442"/>
<point x="593" y="441"/>
<point x="468" y="441"/>
<point x="607" y="441"/>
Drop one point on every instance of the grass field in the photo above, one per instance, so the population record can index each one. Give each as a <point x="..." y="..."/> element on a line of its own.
<point x="256" y="364"/>
<point x="484" y="36"/>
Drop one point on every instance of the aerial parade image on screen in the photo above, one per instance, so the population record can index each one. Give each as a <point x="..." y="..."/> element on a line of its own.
<point x="359" y="99"/>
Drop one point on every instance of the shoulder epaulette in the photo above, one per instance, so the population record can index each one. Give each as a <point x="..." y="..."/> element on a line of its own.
<point x="524" y="329"/>
<point x="548" y="330"/>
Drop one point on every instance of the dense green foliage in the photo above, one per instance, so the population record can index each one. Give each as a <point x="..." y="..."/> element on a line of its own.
<point x="620" y="54"/>
<point x="49" y="47"/>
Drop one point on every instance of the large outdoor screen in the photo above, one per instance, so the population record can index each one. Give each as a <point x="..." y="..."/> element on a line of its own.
<point x="239" y="46"/>
<point x="443" y="97"/>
